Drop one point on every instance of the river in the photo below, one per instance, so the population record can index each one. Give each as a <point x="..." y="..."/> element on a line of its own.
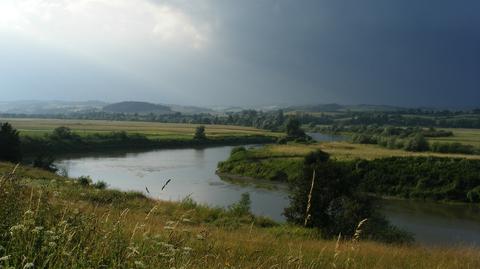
<point x="192" y="173"/>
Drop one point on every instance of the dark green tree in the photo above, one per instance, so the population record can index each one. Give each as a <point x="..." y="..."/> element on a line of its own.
<point x="336" y="205"/>
<point x="417" y="143"/>
<point x="200" y="133"/>
<point x="294" y="129"/>
<point x="62" y="133"/>
<point x="9" y="144"/>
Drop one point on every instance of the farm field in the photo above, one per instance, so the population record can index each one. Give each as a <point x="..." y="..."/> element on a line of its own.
<point x="463" y="136"/>
<point x="39" y="127"/>
<point x="349" y="151"/>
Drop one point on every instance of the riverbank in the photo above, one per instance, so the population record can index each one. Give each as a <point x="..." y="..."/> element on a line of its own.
<point x="115" y="141"/>
<point x="75" y="225"/>
<point x="447" y="177"/>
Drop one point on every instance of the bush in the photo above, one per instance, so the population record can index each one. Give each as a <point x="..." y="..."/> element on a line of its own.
<point x="200" y="133"/>
<point x="238" y="149"/>
<point x="10" y="150"/>
<point x="334" y="201"/>
<point x="85" y="180"/>
<point x="101" y="185"/>
<point x="417" y="143"/>
<point x="242" y="207"/>
<point x="45" y="163"/>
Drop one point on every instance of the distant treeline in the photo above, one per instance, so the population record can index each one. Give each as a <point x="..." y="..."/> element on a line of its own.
<point x="410" y="139"/>
<point x="431" y="178"/>
<point x="443" y="119"/>
<point x="276" y="120"/>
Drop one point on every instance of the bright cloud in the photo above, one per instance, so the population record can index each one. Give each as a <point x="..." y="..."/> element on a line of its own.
<point x="94" y="23"/>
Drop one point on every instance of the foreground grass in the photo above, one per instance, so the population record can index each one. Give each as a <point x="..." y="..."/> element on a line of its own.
<point x="39" y="127"/>
<point x="53" y="222"/>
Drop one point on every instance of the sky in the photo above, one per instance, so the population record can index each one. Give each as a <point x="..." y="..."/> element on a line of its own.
<point x="249" y="52"/>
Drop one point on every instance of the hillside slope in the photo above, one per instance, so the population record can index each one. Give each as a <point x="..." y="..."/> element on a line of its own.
<point x="47" y="221"/>
<point x="131" y="107"/>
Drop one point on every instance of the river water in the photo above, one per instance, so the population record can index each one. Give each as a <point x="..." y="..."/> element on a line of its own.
<point x="192" y="173"/>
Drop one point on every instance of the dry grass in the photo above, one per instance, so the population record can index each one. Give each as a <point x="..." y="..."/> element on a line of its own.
<point x="349" y="151"/>
<point x="76" y="232"/>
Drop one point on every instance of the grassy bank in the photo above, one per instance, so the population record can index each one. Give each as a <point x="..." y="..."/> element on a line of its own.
<point x="51" y="221"/>
<point x="431" y="176"/>
<point x="45" y="145"/>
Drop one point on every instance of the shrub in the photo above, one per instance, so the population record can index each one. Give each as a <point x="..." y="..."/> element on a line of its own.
<point x="101" y="185"/>
<point x="9" y="144"/>
<point x="85" y="180"/>
<point x="242" y="207"/>
<point x="200" y="133"/>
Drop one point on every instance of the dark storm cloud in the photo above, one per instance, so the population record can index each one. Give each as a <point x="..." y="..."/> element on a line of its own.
<point x="397" y="52"/>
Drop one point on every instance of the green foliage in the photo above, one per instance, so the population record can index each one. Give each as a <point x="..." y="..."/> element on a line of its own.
<point x="9" y="144"/>
<point x="45" y="163"/>
<point x="101" y="185"/>
<point x="63" y="133"/>
<point x="66" y="142"/>
<point x="417" y="143"/>
<point x="335" y="204"/>
<point x="245" y="163"/>
<point x="84" y="181"/>
<point x="237" y="150"/>
<point x="453" y="148"/>
<point x="200" y="133"/>
<point x="242" y="207"/>
<point x="421" y="177"/>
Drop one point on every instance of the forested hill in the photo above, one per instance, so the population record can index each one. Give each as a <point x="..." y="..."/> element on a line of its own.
<point x="136" y="107"/>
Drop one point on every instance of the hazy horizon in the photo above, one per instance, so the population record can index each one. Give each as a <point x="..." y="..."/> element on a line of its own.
<point x="239" y="53"/>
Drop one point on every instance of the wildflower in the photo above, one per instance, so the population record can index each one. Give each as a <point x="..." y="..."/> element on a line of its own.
<point x="19" y="227"/>
<point x="167" y="245"/>
<point x="139" y="264"/>
<point x="186" y="220"/>
<point x="169" y="223"/>
<point x="28" y="213"/>
<point x="28" y="265"/>
<point x="37" y="229"/>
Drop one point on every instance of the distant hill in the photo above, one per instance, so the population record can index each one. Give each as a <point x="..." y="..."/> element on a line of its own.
<point x="337" y="108"/>
<point x="50" y="107"/>
<point x="136" y="107"/>
<point x="189" y="109"/>
<point x="317" y="108"/>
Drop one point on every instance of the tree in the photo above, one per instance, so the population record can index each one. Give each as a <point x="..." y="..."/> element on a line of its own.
<point x="200" y="133"/>
<point x="417" y="143"/>
<point x="294" y="129"/>
<point x="62" y="133"/>
<point x="335" y="204"/>
<point x="9" y="144"/>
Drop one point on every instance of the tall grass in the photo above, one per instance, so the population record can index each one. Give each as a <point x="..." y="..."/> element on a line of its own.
<point x="51" y="222"/>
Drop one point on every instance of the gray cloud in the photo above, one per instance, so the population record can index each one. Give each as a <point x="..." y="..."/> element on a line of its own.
<point x="267" y="51"/>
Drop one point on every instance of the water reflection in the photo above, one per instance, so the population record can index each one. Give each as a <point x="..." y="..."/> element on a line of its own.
<point x="192" y="172"/>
